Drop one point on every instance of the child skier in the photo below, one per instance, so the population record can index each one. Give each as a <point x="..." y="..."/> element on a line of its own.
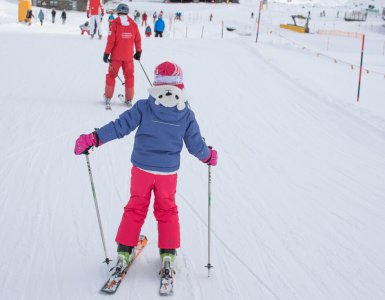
<point x="164" y="121"/>
<point x="148" y="31"/>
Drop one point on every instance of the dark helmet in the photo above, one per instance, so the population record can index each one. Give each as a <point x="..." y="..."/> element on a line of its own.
<point x="122" y="9"/>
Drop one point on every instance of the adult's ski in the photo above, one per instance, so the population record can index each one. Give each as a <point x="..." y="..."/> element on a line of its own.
<point x="127" y="102"/>
<point x="117" y="275"/>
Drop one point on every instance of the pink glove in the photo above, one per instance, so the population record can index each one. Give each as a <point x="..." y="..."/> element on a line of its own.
<point x="212" y="159"/>
<point x="85" y="142"/>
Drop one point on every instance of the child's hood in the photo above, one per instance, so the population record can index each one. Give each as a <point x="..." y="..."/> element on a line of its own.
<point x="168" y="102"/>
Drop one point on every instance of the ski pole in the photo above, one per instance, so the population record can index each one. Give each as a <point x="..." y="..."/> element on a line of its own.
<point x="116" y="73"/>
<point x="145" y="72"/>
<point x="107" y="260"/>
<point x="209" y="265"/>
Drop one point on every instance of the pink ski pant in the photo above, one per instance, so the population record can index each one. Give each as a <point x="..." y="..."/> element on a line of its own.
<point x="165" y="209"/>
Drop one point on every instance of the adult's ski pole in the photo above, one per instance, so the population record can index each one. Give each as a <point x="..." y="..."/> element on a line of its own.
<point x="107" y="260"/>
<point x="145" y="72"/>
<point x="116" y="73"/>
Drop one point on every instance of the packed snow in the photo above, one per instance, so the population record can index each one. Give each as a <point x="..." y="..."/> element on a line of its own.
<point x="298" y="207"/>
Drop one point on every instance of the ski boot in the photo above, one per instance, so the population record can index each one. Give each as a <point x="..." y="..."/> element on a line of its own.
<point x="167" y="272"/>
<point x="100" y="37"/>
<point x="107" y="102"/>
<point x="128" y="102"/>
<point x="126" y="255"/>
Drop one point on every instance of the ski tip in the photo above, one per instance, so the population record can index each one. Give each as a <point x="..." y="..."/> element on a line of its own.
<point x="107" y="291"/>
<point x="143" y="240"/>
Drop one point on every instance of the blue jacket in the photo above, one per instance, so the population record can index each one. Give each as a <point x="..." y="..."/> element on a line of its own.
<point x="159" y="25"/>
<point x="160" y="135"/>
<point x="40" y="15"/>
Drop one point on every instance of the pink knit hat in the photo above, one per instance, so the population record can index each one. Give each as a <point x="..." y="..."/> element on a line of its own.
<point x="168" y="73"/>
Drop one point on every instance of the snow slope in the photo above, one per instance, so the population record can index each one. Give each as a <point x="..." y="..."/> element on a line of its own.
<point x="297" y="197"/>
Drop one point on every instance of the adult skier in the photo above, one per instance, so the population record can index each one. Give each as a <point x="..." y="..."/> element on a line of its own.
<point x="40" y="16"/>
<point x="29" y="16"/>
<point x="53" y="14"/>
<point x="119" y="52"/>
<point x="63" y="16"/>
<point x="95" y="12"/>
<point x="144" y="19"/>
<point x="159" y="26"/>
<point x="163" y="122"/>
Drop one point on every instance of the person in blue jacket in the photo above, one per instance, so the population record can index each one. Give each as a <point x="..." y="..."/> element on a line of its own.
<point x="40" y="16"/>
<point x="163" y="122"/>
<point x="159" y="27"/>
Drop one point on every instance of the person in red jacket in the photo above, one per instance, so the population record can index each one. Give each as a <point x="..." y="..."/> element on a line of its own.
<point x="123" y="36"/>
<point x="95" y="12"/>
<point x="144" y="19"/>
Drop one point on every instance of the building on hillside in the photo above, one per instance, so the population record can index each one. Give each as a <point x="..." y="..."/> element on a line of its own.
<point x="197" y="1"/>
<point x="57" y="4"/>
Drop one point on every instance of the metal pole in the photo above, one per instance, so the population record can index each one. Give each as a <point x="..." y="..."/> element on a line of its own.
<point x="145" y="73"/>
<point x="222" y="28"/>
<point x="259" y="17"/>
<point x="116" y="73"/>
<point x="107" y="260"/>
<point x="209" y="265"/>
<point x="362" y="57"/>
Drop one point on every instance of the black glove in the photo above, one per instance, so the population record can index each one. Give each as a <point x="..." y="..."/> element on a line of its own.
<point x="105" y="58"/>
<point x="137" y="55"/>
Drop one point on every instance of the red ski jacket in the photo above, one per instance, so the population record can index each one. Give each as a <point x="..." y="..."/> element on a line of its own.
<point x="94" y="8"/>
<point x="122" y="38"/>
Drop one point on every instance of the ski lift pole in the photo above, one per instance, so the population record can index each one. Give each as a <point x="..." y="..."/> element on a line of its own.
<point x="209" y="265"/>
<point x="107" y="260"/>
<point x="259" y="17"/>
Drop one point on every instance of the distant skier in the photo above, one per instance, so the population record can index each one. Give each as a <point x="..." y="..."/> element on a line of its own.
<point x="154" y="16"/>
<point x="85" y="28"/>
<point x="40" y="16"/>
<point x="123" y="36"/>
<point x="137" y="17"/>
<point x="29" y="16"/>
<point x="144" y="19"/>
<point x="111" y="18"/>
<point x="163" y="122"/>
<point x="53" y="14"/>
<point x="159" y="27"/>
<point x="148" y="31"/>
<point x="63" y="16"/>
<point x="95" y="11"/>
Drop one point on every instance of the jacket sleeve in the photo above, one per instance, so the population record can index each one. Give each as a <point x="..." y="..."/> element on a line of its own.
<point x="111" y="38"/>
<point x="126" y="123"/>
<point x="138" y="40"/>
<point x="194" y="141"/>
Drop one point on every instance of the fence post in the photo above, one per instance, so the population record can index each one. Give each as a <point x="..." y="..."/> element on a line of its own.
<point x="362" y="57"/>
